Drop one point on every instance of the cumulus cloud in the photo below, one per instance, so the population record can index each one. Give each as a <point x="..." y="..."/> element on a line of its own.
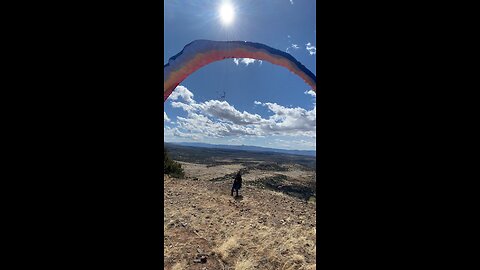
<point x="226" y="112"/>
<point x="294" y="121"/>
<point x="175" y="134"/>
<point x="182" y="92"/>
<point x="219" y="119"/>
<point x="246" y="61"/>
<point x="165" y="117"/>
<point x="311" y="92"/>
<point x="311" y="49"/>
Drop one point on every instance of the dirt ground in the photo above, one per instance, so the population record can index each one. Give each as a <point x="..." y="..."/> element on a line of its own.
<point x="206" y="228"/>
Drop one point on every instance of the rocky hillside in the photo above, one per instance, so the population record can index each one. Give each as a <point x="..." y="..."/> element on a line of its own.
<point x="206" y="228"/>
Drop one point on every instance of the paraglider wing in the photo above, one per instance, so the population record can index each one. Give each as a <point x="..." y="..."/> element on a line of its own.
<point x="203" y="52"/>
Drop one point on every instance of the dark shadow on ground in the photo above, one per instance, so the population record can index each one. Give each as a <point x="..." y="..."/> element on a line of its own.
<point x="238" y="198"/>
<point x="280" y="183"/>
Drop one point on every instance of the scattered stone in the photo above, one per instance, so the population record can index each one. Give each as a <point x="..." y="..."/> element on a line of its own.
<point x="201" y="259"/>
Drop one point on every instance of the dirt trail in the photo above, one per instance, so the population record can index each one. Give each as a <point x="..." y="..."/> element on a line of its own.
<point x="262" y="229"/>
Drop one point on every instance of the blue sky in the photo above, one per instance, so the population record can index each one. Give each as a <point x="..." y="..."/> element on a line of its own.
<point x="242" y="101"/>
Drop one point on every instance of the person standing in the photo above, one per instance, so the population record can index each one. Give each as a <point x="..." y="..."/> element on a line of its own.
<point x="237" y="183"/>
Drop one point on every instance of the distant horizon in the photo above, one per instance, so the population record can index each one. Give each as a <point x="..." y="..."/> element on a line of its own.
<point x="314" y="150"/>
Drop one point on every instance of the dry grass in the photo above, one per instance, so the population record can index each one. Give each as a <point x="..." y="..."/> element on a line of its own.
<point x="180" y="266"/>
<point x="244" y="264"/>
<point x="226" y="248"/>
<point x="270" y="248"/>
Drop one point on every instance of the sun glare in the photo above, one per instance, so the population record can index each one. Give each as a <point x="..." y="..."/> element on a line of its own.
<point x="227" y="13"/>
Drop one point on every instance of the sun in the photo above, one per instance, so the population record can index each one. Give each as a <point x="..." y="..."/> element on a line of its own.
<point x="227" y="13"/>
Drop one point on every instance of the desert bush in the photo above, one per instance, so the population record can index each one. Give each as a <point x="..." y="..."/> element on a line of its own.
<point x="171" y="167"/>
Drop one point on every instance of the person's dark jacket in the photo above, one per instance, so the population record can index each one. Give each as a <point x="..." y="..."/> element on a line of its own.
<point x="237" y="184"/>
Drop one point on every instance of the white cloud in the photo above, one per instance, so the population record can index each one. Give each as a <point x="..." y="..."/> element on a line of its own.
<point x="184" y="93"/>
<point x="165" y="117"/>
<point x="219" y="119"/>
<point x="294" y="46"/>
<point x="246" y="61"/>
<point x="311" y="49"/>
<point x="226" y="112"/>
<point x="291" y="2"/>
<point x="311" y="92"/>
<point x="290" y="121"/>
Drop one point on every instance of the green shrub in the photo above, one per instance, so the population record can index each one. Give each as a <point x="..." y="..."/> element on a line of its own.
<point x="171" y="167"/>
